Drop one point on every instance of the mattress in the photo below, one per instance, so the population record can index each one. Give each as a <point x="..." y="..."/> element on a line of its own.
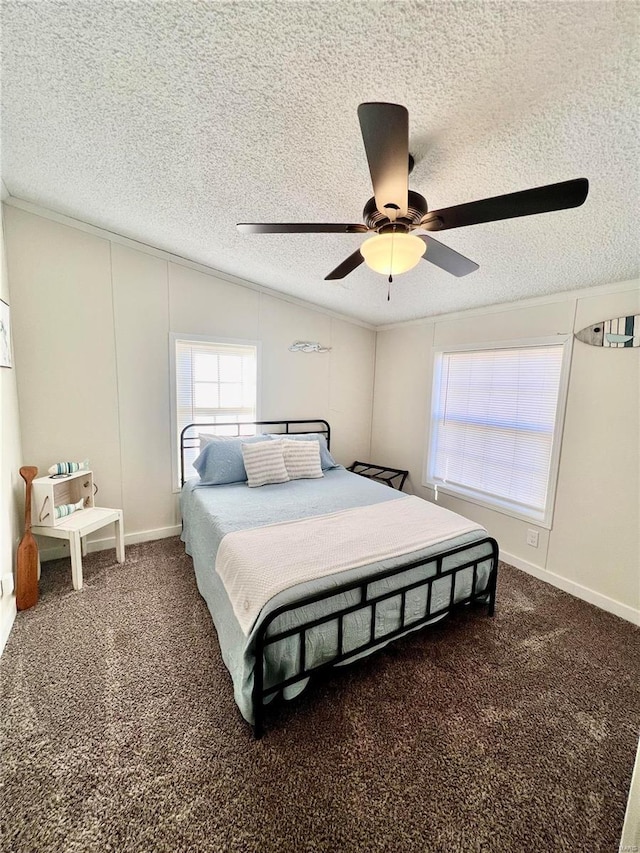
<point x="210" y="512"/>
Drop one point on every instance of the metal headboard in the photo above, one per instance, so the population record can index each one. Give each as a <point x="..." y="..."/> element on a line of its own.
<point x="190" y="441"/>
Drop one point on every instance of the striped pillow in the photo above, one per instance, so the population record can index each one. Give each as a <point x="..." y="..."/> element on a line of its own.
<point x="302" y="459"/>
<point x="264" y="463"/>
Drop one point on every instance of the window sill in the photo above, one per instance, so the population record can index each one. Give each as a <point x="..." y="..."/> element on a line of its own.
<point x="535" y="520"/>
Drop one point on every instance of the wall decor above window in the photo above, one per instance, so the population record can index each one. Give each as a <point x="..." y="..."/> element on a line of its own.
<point x="307" y="346"/>
<point x="621" y="333"/>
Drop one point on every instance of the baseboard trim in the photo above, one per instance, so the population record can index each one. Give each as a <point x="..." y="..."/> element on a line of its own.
<point x="6" y="624"/>
<point x="57" y="552"/>
<point x="630" y="614"/>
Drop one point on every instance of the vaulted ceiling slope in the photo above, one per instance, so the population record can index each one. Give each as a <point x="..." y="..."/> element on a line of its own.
<point x="170" y="122"/>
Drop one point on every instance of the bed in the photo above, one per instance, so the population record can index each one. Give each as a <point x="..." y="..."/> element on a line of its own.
<point x="332" y="620"/>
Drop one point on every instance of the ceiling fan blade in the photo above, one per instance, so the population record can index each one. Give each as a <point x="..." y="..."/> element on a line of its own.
<point x="347" y="266"/>
<point x="385" y="132"/>
<point x="525" y="203"/>
<point x="447" y="259"/>
<point x="299" y="228"/>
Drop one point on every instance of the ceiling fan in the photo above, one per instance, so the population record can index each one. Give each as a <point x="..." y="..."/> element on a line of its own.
<point x="398" y="215"/>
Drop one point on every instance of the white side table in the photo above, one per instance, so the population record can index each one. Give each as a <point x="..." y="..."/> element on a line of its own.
<point x="80" y="524"/>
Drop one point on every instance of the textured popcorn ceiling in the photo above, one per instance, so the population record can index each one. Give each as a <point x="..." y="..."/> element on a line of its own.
<point x="171" y="121"/>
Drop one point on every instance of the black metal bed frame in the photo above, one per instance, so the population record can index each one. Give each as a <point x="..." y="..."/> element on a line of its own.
<point x="366" y="602"/>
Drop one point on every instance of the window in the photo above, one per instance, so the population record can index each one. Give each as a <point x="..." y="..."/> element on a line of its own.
<point x="214" y="381"/>
<point x="496" y="423"/>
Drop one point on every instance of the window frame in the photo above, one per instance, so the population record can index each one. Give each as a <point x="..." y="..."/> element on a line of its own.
<point x="545" y="519"/>
<point x="200" y="339"/>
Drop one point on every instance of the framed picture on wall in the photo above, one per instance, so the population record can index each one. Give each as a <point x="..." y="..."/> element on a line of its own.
<point x="5" y="336"/>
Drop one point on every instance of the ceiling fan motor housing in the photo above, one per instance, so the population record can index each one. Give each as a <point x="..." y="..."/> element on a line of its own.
<point x="417" y="208"/>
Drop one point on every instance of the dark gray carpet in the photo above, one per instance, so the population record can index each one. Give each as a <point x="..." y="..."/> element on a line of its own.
<point x="120" y="732"/>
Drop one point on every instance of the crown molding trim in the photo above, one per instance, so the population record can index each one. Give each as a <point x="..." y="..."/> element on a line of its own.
<point x="501" y="307"/>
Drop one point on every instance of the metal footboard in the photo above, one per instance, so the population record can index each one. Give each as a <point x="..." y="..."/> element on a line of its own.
<point x="369" y="602"/>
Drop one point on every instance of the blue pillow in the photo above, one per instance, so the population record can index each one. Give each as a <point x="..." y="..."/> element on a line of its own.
<point x="326" y="459"/>
<point x="221" y="462"/>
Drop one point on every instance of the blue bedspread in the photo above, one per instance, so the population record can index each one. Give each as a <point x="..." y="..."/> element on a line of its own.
<point x="210" y="512"/>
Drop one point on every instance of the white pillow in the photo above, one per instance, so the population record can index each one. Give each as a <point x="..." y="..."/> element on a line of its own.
<point x="264" y="463"/>
<point x="302" y="459"/>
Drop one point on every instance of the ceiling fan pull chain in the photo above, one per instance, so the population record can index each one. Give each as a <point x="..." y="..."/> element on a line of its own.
<point x="391" y="266"/>
<point x="393" y="234"/>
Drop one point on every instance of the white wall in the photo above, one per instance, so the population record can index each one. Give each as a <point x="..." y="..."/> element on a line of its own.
<point x="593" y="548"/>
<point x="11" y="484"/>
<point x="92" y="318"/>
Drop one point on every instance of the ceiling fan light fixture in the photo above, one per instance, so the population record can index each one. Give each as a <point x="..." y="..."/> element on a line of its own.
<point x="392" y="253"/>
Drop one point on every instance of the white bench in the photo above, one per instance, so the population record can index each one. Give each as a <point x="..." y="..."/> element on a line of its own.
<point x="79" y="525"/>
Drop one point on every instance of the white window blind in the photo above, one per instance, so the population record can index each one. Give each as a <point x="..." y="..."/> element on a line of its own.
<point x="214" y="383"/>
<point x="494" y="415"/>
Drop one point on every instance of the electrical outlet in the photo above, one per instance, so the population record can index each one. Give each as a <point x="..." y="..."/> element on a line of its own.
<point x="532" y="538"/>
